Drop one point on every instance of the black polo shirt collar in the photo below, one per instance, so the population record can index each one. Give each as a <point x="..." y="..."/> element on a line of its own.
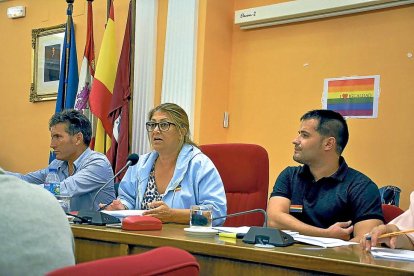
<point x="339" y="175"/>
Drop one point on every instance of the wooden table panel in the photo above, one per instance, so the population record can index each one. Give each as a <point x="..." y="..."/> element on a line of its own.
<point x="222" y="256"/>
<point x="89" y="250"/>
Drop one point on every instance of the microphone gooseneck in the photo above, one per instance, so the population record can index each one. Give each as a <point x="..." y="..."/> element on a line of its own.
<point x="247" y="212"/>
<point x="131" y="161"/>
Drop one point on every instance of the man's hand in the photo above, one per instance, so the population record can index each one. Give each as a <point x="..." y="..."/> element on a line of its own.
<point x="340" y="230"/>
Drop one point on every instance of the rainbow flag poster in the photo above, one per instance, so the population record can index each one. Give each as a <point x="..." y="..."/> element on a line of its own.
<point x="353" y="97"/>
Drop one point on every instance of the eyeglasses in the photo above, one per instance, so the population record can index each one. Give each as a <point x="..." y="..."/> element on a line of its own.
<point x="163" y="126"/>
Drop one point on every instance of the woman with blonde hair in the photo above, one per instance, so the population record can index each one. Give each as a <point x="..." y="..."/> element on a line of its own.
<point x="174" y="176"/>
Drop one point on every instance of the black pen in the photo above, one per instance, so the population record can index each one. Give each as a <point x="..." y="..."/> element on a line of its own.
<point x="103" y="207"/>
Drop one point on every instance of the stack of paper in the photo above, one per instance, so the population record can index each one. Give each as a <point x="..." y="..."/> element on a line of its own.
<point x="123" y="213"/>
<point x="395" y="254"/>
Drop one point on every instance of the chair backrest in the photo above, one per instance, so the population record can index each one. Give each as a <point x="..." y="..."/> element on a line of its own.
<point x="390" y="195"/>
<point x="160" y="261"/>
<point x="244" y="169"/>
<point x="390" y="212"/>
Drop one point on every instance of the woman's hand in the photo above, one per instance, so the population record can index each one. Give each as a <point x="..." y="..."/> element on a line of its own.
<point x="115" y="205"/>
<point x="372" y="238"/>
<point x="160" y="210"/>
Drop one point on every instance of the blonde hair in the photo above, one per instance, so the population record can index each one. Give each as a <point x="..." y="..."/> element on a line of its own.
<point x="179" y="117"/>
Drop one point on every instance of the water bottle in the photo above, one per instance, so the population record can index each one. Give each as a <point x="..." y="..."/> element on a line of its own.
<point x="53" y="185"/>
<point x="52" y="182"/>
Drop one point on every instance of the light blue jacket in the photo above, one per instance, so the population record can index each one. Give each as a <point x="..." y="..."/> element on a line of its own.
<point x="196" y="181"/>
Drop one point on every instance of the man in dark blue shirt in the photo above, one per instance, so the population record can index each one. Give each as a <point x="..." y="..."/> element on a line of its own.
<point x="324" y="197"/>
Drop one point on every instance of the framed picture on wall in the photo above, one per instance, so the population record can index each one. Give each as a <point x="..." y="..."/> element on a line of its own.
<point x="47" y="47"/>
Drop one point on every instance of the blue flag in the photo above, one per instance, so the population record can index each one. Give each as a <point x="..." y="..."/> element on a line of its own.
<point x="68" y="77"/>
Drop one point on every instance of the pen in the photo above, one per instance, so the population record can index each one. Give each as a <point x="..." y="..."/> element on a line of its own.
<point x="103" y="207"/>
<point x="397" y="233"/>
<point x="232" y="235"/>
<point x="389" y="235"/>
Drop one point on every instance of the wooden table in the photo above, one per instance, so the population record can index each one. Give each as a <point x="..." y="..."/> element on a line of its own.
<point x="218" y="256"/>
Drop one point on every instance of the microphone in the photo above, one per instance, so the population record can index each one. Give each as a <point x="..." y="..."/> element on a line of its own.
<point x="263" y="236"/>
<point x="99" y="218"/>
<point x="131" y="161"/>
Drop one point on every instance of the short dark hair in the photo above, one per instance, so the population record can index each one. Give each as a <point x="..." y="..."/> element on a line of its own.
<point x="75" y="122"/>
<point x="331" y="123"/>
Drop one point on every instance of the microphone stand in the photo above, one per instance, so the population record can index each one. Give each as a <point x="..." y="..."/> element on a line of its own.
<point x="263" y="236"/>
<point x="98" y="218"/>
<point x="106" y="184"/>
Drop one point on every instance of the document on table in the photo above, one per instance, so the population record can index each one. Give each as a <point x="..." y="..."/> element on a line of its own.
<point x="123" y="213"/>
<point x="395" y="254"/>
<point x="320" y="241"/>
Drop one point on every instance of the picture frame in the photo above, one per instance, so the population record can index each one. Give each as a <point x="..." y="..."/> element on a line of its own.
<point x="47" y="48"/>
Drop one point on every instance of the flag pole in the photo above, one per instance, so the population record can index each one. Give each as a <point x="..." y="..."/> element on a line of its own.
<point x="108" y="8"/>
<point x="67" y="50"/>
<point x="109" y="3"/>
<point x="132" y="66"/>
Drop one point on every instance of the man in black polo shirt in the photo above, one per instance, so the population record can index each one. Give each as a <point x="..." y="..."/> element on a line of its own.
<point x="324" y="197"/>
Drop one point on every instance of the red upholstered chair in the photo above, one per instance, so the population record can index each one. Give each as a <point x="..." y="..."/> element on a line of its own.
<point x="244" y="169"/>
<point x="160" y="261"/>
<point x="390" y="212"/>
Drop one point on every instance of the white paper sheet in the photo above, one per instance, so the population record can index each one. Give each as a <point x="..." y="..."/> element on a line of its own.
<point x="123" y="213"/>
<point x="395" y="254"/>
<point x="320" y="241"/>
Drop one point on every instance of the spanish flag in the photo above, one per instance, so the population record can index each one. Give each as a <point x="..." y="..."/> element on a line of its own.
<point x="103" y="86"/>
